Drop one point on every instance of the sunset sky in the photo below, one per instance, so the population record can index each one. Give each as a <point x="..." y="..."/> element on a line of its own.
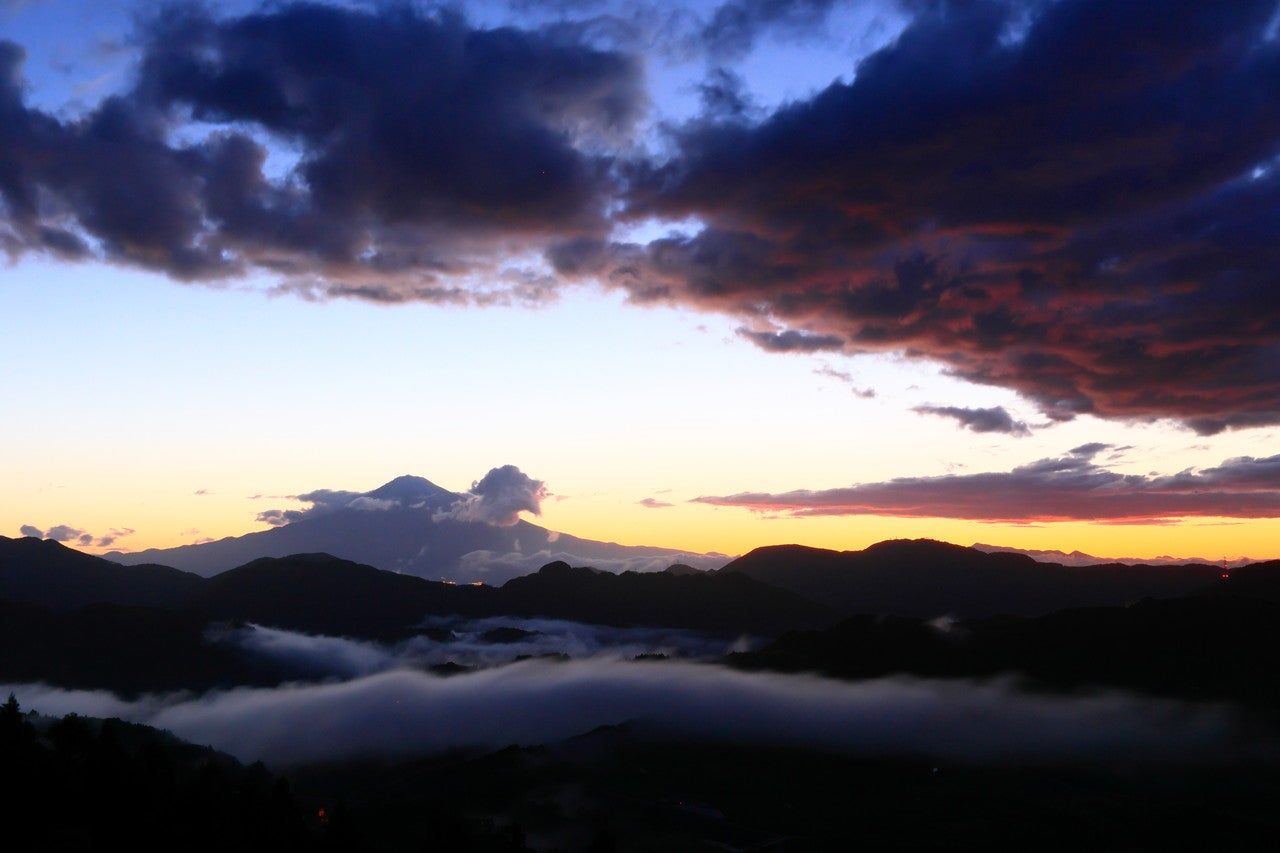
<point x="719" y="274"/>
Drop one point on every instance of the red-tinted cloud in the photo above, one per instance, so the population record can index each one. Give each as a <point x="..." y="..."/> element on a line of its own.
<point x="1068" y="488"/>
<point x="1085" y="212"/>
<point x="1078" y="200"/>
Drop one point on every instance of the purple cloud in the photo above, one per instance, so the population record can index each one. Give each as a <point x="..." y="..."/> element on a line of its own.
<point x="1066" y="488"/>
<point x="995" y="419"/>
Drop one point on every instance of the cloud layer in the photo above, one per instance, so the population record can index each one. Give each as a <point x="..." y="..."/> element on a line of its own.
<point x="1070" y="199"/>
<point x="486" y="642"/>
<point x="424" y="147"/>
<point x="404" y="713"/>
<point x="1066" y="488"/>
<point x="1073" y="199"/>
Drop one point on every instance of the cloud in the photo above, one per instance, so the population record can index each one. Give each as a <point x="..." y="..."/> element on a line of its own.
<point x="64" y="533"/>
<point x="425" y="149"/>
<point x="1068" y="488"/>
<point x="653" y="503"/>
<point x="847" y="378"/>
<point x="792" y="341"/>
<point x="979" y="420"/>
<point x="81" y="538"/>
<point x="1019" y="191"/>
<point x="1074" y="200"/>
<point x="323" y="502"/>
<point x="403" y="713"/>
<point x="498" y="498"/>
<point x="470" y="643"/>
<point x="328" y="501"/>
<point x="736" y="25"/>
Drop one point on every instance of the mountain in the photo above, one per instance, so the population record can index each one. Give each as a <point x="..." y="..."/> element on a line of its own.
<point x="1206" y="646"/>
<point x="320" y="594"/>
<point x="82" y="783"/>
<point x="717" y="602"/>
<point x="924" y="578"/>
<point x="323" y="594"/>
<point x="1079" y="558"/>
<point x="317" y="593"/>
<point x="129" y="650"/>
<point x="44" y="572"/>
<point x="408" y="526"/>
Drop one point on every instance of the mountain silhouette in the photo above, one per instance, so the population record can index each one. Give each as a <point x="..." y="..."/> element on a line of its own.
<point x="718" y="602"/>
<point x="44" y="572"/>
<point x="1219" y="643"/>
<point x="405" y="526"/>
<point x="321" y="594"/>
<point x="925" y="578"/>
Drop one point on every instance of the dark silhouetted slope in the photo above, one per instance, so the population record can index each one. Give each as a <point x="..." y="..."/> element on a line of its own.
<point x="41" y="571"/>
<point x="84" y="784"/>
<point x="125" y="649"/>
<point x="1257" y="580"/>
<point x="1195" y="647"/>
<point x="926" y="578"/>
<point x="321" y="594"/>
<point x="720" y="602"/>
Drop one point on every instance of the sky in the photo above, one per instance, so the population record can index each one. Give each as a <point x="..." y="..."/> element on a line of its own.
<point x="716" y="274"/>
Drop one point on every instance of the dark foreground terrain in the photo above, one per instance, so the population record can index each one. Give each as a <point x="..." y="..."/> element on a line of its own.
<point x="85" y="784"/>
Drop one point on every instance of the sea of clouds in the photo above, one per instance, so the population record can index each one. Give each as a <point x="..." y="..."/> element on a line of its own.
<point x="404" y="712"/>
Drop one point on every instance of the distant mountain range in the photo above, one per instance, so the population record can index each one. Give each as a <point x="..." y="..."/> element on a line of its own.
<point x="1079" y="558"/>
<point x="1222" y="643"/>
<point x="408" y="525"/>
<point x="925" y="578"/>
<point x="81" y="621"/>
<point x="84" y="621"/>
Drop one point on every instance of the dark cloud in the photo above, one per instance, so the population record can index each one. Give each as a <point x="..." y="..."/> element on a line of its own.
<point x="323" y="502"/>
<point x="792" y="341"/>
<point x="30" y="530"/>
<point x="995" y="419"/>
<point x="423" y="147"/>
<point x="724" y="95"/>
<point x="499" y="498"/>
<point x="406" y="491"/>
<point x="403" y="713"/>
<point x="1066" y="488"/>
<point x="64" y="533"/>
<point x="1071" y="199"/>
<point x="735" y="26"/>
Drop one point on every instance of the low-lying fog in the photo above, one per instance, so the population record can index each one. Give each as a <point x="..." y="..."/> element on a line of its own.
<point x="379" y="700"/>
<point x="475" y="643"/>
